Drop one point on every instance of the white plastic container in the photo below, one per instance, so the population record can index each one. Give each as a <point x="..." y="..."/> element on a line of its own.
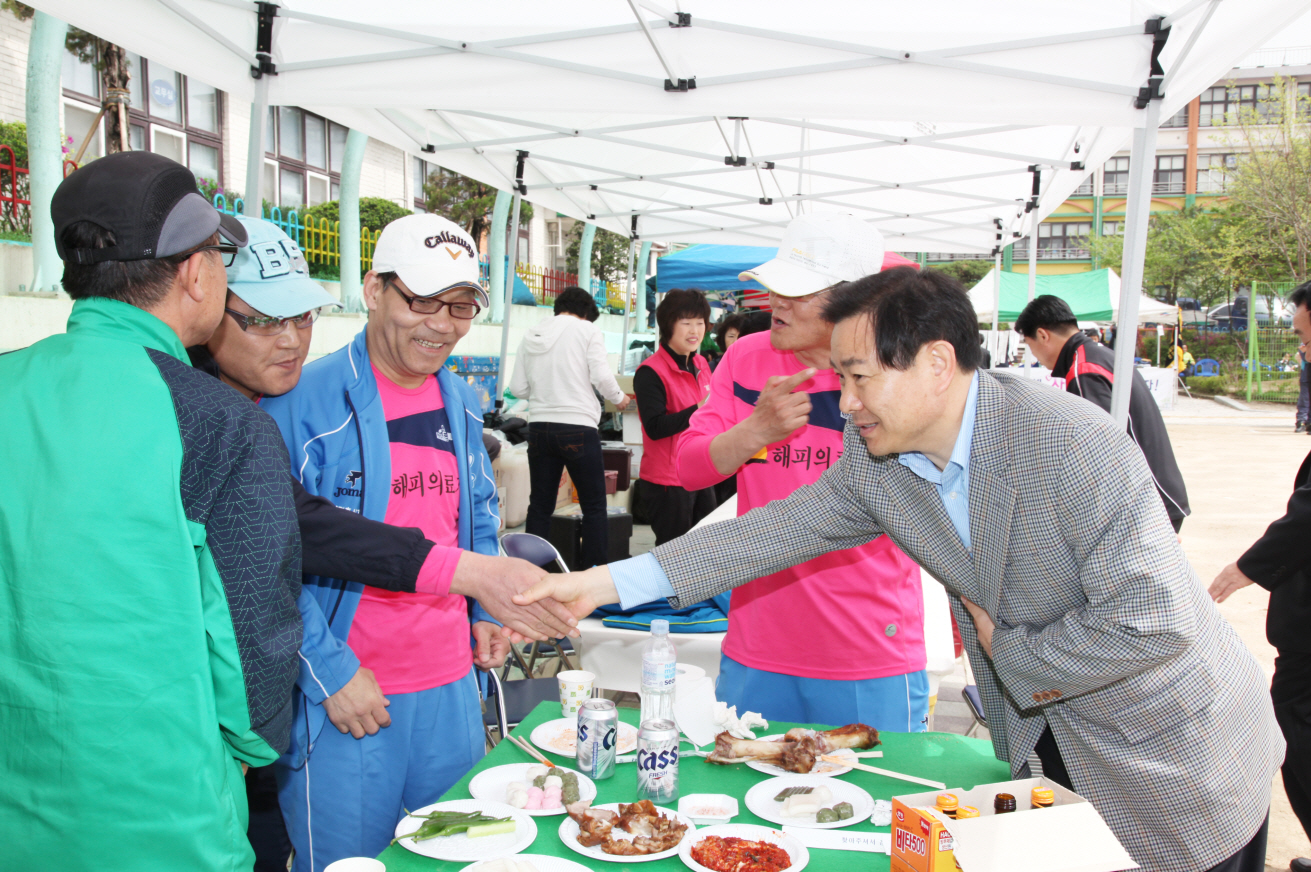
<point x="514" y="474"/>
<point x="707" y="809"/>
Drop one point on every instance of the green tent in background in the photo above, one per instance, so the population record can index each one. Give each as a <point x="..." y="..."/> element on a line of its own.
<point x="1094" y="296"/>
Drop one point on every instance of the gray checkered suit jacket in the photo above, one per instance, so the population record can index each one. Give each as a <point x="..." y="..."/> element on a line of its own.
<point x="1104" y="631"/>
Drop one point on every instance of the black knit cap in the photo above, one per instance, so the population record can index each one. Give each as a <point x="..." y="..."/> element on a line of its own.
<point x="150" y="204"/>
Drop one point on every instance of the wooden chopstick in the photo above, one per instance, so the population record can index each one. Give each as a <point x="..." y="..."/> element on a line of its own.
<point x="844" y="761"/>
<point x="529" y="750"/>
<point x="869" y="753"/>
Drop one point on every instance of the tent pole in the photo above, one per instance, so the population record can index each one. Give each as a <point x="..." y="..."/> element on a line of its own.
<point x="503" y="369"/>
<point x="639" y="274"/>
<point x="996" y="302"/>
<point x="496" y="255"/>
<point x="1033" y="275"/>
<point x="348" y="224"/>
<point x="253" y="204"/>
<point x="628" y="298"/>
<point x="44" y="59"/>
<point x="585" y="258"/>
<point x="1137" y="212"/>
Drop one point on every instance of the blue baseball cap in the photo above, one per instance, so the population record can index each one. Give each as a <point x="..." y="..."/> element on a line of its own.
<point x="270" y="274"/>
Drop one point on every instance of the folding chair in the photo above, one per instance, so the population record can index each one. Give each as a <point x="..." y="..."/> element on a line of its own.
<point x="970" y="693"/>
<point x="507" y="703"/>
<point x="538" y="552"/>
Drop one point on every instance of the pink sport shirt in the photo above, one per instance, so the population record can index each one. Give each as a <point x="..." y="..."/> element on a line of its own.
<point x="847" y="615"/>
<point x="416" y="641"/>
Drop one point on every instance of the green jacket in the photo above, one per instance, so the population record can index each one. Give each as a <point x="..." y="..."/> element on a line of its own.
<point x="149" y="569"/>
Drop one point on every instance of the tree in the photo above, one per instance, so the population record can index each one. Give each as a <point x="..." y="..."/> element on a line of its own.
<point x="967" y="272"/>
<point x="1272" y="177"/>
<point x="609" y="254"/>
<point x="375" y="212"/>
<point x="466" y="201"/>
<point x="111" y="62"/>
<point x="1180" y="261"/>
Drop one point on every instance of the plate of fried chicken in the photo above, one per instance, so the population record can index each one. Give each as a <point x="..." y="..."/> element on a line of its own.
<point x="620" y="832"/>
<point x="797" y="751"/>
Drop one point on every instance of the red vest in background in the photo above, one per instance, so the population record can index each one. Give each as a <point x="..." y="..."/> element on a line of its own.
<point x="682" y="389"/>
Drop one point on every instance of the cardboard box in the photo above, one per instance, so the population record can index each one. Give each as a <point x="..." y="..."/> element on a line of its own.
<point x="1068" y="837"/>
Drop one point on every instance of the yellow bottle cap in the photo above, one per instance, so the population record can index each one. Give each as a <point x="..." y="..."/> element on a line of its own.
<point x="947" y="801"/>
<point x="966" y="811"/>
<point x="1043" y="795"/>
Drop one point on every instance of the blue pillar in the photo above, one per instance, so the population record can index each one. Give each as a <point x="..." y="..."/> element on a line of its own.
<point x="496" y="255"/>
<point x="639" y="273"/>
<point x="349" y="213"/>
<point x="585" y="258"/>
<point x="45" y="57"/>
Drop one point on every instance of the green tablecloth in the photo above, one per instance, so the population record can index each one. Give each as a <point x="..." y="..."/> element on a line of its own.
<point x="954" y="760"/>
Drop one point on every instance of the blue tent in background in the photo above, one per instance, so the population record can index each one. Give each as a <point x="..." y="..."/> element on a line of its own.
<point x="711" y="267"/>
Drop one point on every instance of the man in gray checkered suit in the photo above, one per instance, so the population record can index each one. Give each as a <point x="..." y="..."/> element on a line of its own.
<point x="1094" y="643"/>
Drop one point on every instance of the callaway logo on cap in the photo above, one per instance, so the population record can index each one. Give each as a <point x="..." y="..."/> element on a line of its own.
<point x="819" y="251"/>
<point x="430" y="254"/>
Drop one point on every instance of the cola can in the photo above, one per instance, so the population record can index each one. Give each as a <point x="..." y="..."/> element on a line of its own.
<point x="657" y="761"/>
<point x="598" y="738"/>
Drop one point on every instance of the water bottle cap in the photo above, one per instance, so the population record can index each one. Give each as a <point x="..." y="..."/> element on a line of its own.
<point x="660" y="627"/>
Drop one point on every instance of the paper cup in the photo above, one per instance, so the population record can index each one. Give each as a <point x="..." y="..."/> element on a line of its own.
<point x="575" y="689"/>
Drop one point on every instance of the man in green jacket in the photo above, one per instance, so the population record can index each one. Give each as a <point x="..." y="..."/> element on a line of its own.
<point x="149" y="552"/>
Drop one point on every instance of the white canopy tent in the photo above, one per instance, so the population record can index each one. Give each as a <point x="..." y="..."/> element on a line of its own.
<point x="952" y="125"/>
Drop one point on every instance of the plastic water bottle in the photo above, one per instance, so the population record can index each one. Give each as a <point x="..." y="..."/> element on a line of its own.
<point x="659" y="671"/>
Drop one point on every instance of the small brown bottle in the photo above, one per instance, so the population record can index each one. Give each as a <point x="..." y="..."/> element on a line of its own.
<point x="1042" y="797"/>
<point x="1004" y="803"/>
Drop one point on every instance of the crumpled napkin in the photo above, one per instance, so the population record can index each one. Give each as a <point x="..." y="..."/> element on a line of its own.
<point x="725" y="718"/>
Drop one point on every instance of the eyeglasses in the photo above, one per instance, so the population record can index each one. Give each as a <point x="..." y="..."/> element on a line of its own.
<point x="226" y="249"/>
<point x="463" y="309"/>
<point x="264" y="325"/>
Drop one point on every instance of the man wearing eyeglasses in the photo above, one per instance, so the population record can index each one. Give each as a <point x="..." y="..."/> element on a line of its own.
<point x="380" y="428"/>
<point x="772" y="418"/>
<point x="149" y="552"/>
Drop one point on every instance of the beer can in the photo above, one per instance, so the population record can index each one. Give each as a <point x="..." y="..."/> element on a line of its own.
<point x="598" y="736"/>
<point x="657" y="761"/>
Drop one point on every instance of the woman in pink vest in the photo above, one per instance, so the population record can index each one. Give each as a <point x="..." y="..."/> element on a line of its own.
<point x="671" y="385"/>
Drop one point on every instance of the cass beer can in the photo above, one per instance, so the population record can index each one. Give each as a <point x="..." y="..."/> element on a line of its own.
<point x="598" y="736"/>
<point x="657" y="761"/>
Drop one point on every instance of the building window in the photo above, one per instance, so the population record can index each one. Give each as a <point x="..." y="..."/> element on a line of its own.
<point x="419" y="170"/>
<point x="1212" y="172"/>
<point x="1112" y="228"/>
<point x="1063" y="240"/>
<point x="1115" y="176"/>
<point x="1085" y="187"/>
<point x="304" y="158"/>
<point x="1169" y="175"/>
<point x="1178" y="119"/>
<point x="1224" y="105"/>
<point x="168" y="114"/>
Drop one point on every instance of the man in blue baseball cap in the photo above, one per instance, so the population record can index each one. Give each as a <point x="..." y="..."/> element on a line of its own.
<point x="259" y="348"/>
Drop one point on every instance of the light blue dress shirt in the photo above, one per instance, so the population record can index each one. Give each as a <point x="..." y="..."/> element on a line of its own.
<point x="641" y="580"/>
<point x="953" y="483"/>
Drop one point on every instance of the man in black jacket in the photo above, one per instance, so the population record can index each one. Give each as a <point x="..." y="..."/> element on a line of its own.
<point x="1279" y="562"/>
<point x="1052" y="333"/>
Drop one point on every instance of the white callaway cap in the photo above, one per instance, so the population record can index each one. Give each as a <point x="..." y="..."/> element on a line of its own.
<point x="430" y="254"/>
<point x="818" y="251"/>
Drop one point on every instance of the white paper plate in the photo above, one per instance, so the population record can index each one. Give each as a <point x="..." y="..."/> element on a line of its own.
<point x="561" y="737"/>
<point x="796" y="851"/>
<point x="490" y="785"/>
<point x="760" y="800"/>
<point x="822" y="767"/>
<point x="543" y="862"/>
<point x="569" y="835"/>
<point x="461" y="848"/>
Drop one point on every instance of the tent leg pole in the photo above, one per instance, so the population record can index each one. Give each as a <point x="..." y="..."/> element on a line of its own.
<point x="513" y="244"/>
<point x="348" y="214"/>
<point x="1033" y="276"/>
<point x="628" y="299"/>
<point x="996" y="304"/>
<point x="1137" y="212"/>
<point x="496" y="255"/>
<point x="585" y="259"/>
<point x="253" y="204"/>
<point x="639" y="275"/>
<point x="45" y="55"/>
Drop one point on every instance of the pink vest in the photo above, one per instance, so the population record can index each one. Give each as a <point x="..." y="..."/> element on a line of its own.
<point x="682" y="389"/>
